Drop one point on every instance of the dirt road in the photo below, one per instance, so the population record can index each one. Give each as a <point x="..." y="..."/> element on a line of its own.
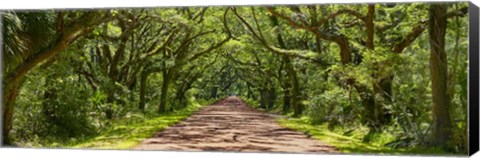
<point x="230" y="125"/>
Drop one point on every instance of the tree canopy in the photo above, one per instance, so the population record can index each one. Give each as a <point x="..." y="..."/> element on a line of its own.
<point x="394" y="69"/>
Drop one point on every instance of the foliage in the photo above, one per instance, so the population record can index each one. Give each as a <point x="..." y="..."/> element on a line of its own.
<point x="109" y="78"/>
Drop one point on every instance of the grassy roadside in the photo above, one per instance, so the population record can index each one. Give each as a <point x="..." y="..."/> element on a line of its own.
<point x="353" y="142"/>
<point x="125" y="135"/>
<point x="348" y="143"/>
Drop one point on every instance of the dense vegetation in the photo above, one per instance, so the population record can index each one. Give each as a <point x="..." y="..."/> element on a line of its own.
<point x="397" y="70"/>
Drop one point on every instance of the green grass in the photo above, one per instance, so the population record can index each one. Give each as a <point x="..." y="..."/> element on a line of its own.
<point x="353" y="142"/>
<point x="126" y="134"/>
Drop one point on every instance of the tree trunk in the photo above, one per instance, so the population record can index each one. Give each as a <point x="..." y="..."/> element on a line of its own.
<point x="291" y="96"/>
<point x="286" y="100"/>
<point x="383" y="90"/>
<point x="368" y="102"/>
<point x="271" y="97"/>
<point x="442" y="125"/>
<point x="143" y="86"/>
<point x="213" y="92"/>
<point x="382" y="85"/>
<point x="180" y="95"/>
<point x="296" y="94"/>
<point x="163" y="96"/>
<point x="249" y="91"/>
<point x="182" y="101"/>
<point x="263" y="97"/>
<point x="131" y="88"/>
<point x="10" y="92"/>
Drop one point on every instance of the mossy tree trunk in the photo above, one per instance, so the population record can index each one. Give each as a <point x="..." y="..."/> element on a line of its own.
<point x="442" y="125"/>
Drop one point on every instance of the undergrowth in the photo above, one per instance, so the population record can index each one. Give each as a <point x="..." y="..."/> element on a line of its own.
<point x="346" y="139"/>
<point x="349" y="140"/>
<point x="129" y="132"/>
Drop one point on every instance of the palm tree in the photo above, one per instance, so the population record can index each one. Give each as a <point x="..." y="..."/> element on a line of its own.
<point x="32" y="38"/>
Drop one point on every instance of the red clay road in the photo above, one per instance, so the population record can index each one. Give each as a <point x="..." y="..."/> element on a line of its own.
<point x="231" y="125"/>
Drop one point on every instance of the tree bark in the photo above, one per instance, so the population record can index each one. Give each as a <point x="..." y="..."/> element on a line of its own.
<point x="286" y="100"/>
<point x="383" y="90"/>
<point x="442" y="125"/>
<point x="296" y="94"/>
<point x="213" y="92"/>
<point x="181" y="92"/>
<point x="10" y="92"/>
<point x="182" y="100"/>
<point x="263" y="96"/>
<point x="292" y="92"/>
<point x="382" y="84"/>
<point x="249" y="91"/>
<point x="163" y="96"/>
<point x="143" y="87"/>
<point x="271" y="97"/>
